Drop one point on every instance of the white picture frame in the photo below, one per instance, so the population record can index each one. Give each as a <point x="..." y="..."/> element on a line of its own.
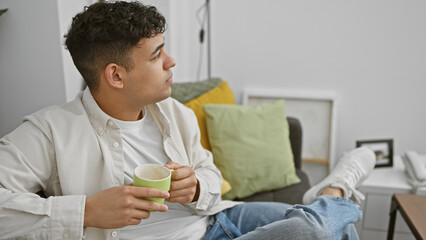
<point x="316" y="110"/>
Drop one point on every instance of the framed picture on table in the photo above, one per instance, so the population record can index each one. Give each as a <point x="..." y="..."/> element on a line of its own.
<point x="383" y="149"/>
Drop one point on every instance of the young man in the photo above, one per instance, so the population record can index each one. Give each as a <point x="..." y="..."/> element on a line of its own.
<point x="82" y="154"/>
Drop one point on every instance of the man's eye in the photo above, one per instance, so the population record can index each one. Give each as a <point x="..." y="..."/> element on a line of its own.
<point x="158" y="56"/>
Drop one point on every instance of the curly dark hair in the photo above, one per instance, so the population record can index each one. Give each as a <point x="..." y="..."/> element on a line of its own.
<point x="105" y="33"/>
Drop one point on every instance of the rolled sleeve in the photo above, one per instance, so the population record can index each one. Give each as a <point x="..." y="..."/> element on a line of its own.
<point x="208" y="196"/>
<point x="29" y="216"/>
<point x="67" y="218"/>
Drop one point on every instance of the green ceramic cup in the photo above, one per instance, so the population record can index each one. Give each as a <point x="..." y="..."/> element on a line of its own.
<point x="153" y="176"/>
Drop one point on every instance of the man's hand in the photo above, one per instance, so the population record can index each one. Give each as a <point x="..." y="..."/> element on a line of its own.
<point x="120" y="206"/>
<point x="184" y="187"/>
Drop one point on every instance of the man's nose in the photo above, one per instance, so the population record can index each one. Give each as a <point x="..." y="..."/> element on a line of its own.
<point x="170" y="62"/>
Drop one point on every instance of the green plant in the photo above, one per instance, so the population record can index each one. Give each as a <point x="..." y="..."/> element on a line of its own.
<point x="3" y="11"/>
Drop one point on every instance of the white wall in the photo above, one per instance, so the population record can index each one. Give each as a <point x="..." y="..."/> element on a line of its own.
<point x="372" y="53"/>
<point x="182" y="37"/>
<point x="73" y="80"/>
<point x="31" y="73"/>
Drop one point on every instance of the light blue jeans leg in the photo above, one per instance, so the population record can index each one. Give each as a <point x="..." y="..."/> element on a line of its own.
<point x="325" y="218"/>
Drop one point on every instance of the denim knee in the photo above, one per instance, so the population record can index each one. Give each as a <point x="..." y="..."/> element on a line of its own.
<point x="310" y="223"/>
<point x="221" y="228"/>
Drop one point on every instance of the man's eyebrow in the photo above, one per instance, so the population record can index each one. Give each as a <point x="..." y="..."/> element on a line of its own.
<point x="158" y="49"/>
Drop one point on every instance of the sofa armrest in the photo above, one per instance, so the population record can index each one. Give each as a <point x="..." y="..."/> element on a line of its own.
<point x="296" y="140"/>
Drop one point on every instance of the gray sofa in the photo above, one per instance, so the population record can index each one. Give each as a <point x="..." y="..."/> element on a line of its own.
<point x="292" y="194"/>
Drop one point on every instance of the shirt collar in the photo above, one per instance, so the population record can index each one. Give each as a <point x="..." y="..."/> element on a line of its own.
<point x="160" y="118"/>
<point x="97" y="117"/>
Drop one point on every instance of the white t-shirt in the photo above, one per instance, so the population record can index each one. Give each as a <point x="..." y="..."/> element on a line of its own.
<point x="143" y="143"/>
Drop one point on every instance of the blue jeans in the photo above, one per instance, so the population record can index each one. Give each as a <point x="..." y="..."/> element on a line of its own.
<point x="324" y="218"/>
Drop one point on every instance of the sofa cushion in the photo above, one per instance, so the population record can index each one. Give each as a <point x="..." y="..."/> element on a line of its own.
<point x="251" y="147"/>
<point x="209" y="91"/>
<point x="291" y="195"/>
<point x="220" y="94"/>
<point x="186" y="91"/>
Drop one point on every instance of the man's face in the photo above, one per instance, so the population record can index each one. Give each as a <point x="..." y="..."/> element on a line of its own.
<point x="149" y="80"/>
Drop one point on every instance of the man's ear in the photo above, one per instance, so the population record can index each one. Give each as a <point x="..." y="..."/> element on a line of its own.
<point x="114" y="75"/>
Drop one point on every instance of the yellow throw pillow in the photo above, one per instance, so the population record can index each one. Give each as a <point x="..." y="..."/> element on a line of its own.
<point x="220" y="94"/>
<point x="226" y="187"/>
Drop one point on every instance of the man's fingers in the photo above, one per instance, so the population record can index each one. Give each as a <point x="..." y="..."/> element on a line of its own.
<point x="173" y="165"/>
<point x="135" y="221"/>
<point x="142" y="204"/>
<point x="182" y="192"/>
<point x="148" y="205"/>
<point x="184" y="200"/>
<point x="184" y="183"/>
<point x="140" y="214"/>
<point x="182" y="173"/>
<point x="137" y="216"/>
<point x="146" y="192"/>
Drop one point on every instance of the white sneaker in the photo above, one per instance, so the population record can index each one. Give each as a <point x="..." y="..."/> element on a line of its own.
<point x="349" y="173"/>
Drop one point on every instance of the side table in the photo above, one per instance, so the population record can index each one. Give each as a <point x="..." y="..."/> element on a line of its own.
<point x="413" y="210"/>
<point x="378" y="190"/>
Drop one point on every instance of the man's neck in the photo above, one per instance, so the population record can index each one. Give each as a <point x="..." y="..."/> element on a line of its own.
<point x="117" y="108"/>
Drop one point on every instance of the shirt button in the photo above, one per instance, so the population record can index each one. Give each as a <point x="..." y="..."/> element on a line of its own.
<point x="110" y="123"/>
<point x="114" y="234"/>
<point x="116" y="144"/>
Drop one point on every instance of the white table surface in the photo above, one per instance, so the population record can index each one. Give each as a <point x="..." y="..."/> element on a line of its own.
<point x="388" y="177"/>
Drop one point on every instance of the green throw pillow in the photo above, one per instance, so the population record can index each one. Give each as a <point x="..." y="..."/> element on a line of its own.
<point x="251" y="147"/>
